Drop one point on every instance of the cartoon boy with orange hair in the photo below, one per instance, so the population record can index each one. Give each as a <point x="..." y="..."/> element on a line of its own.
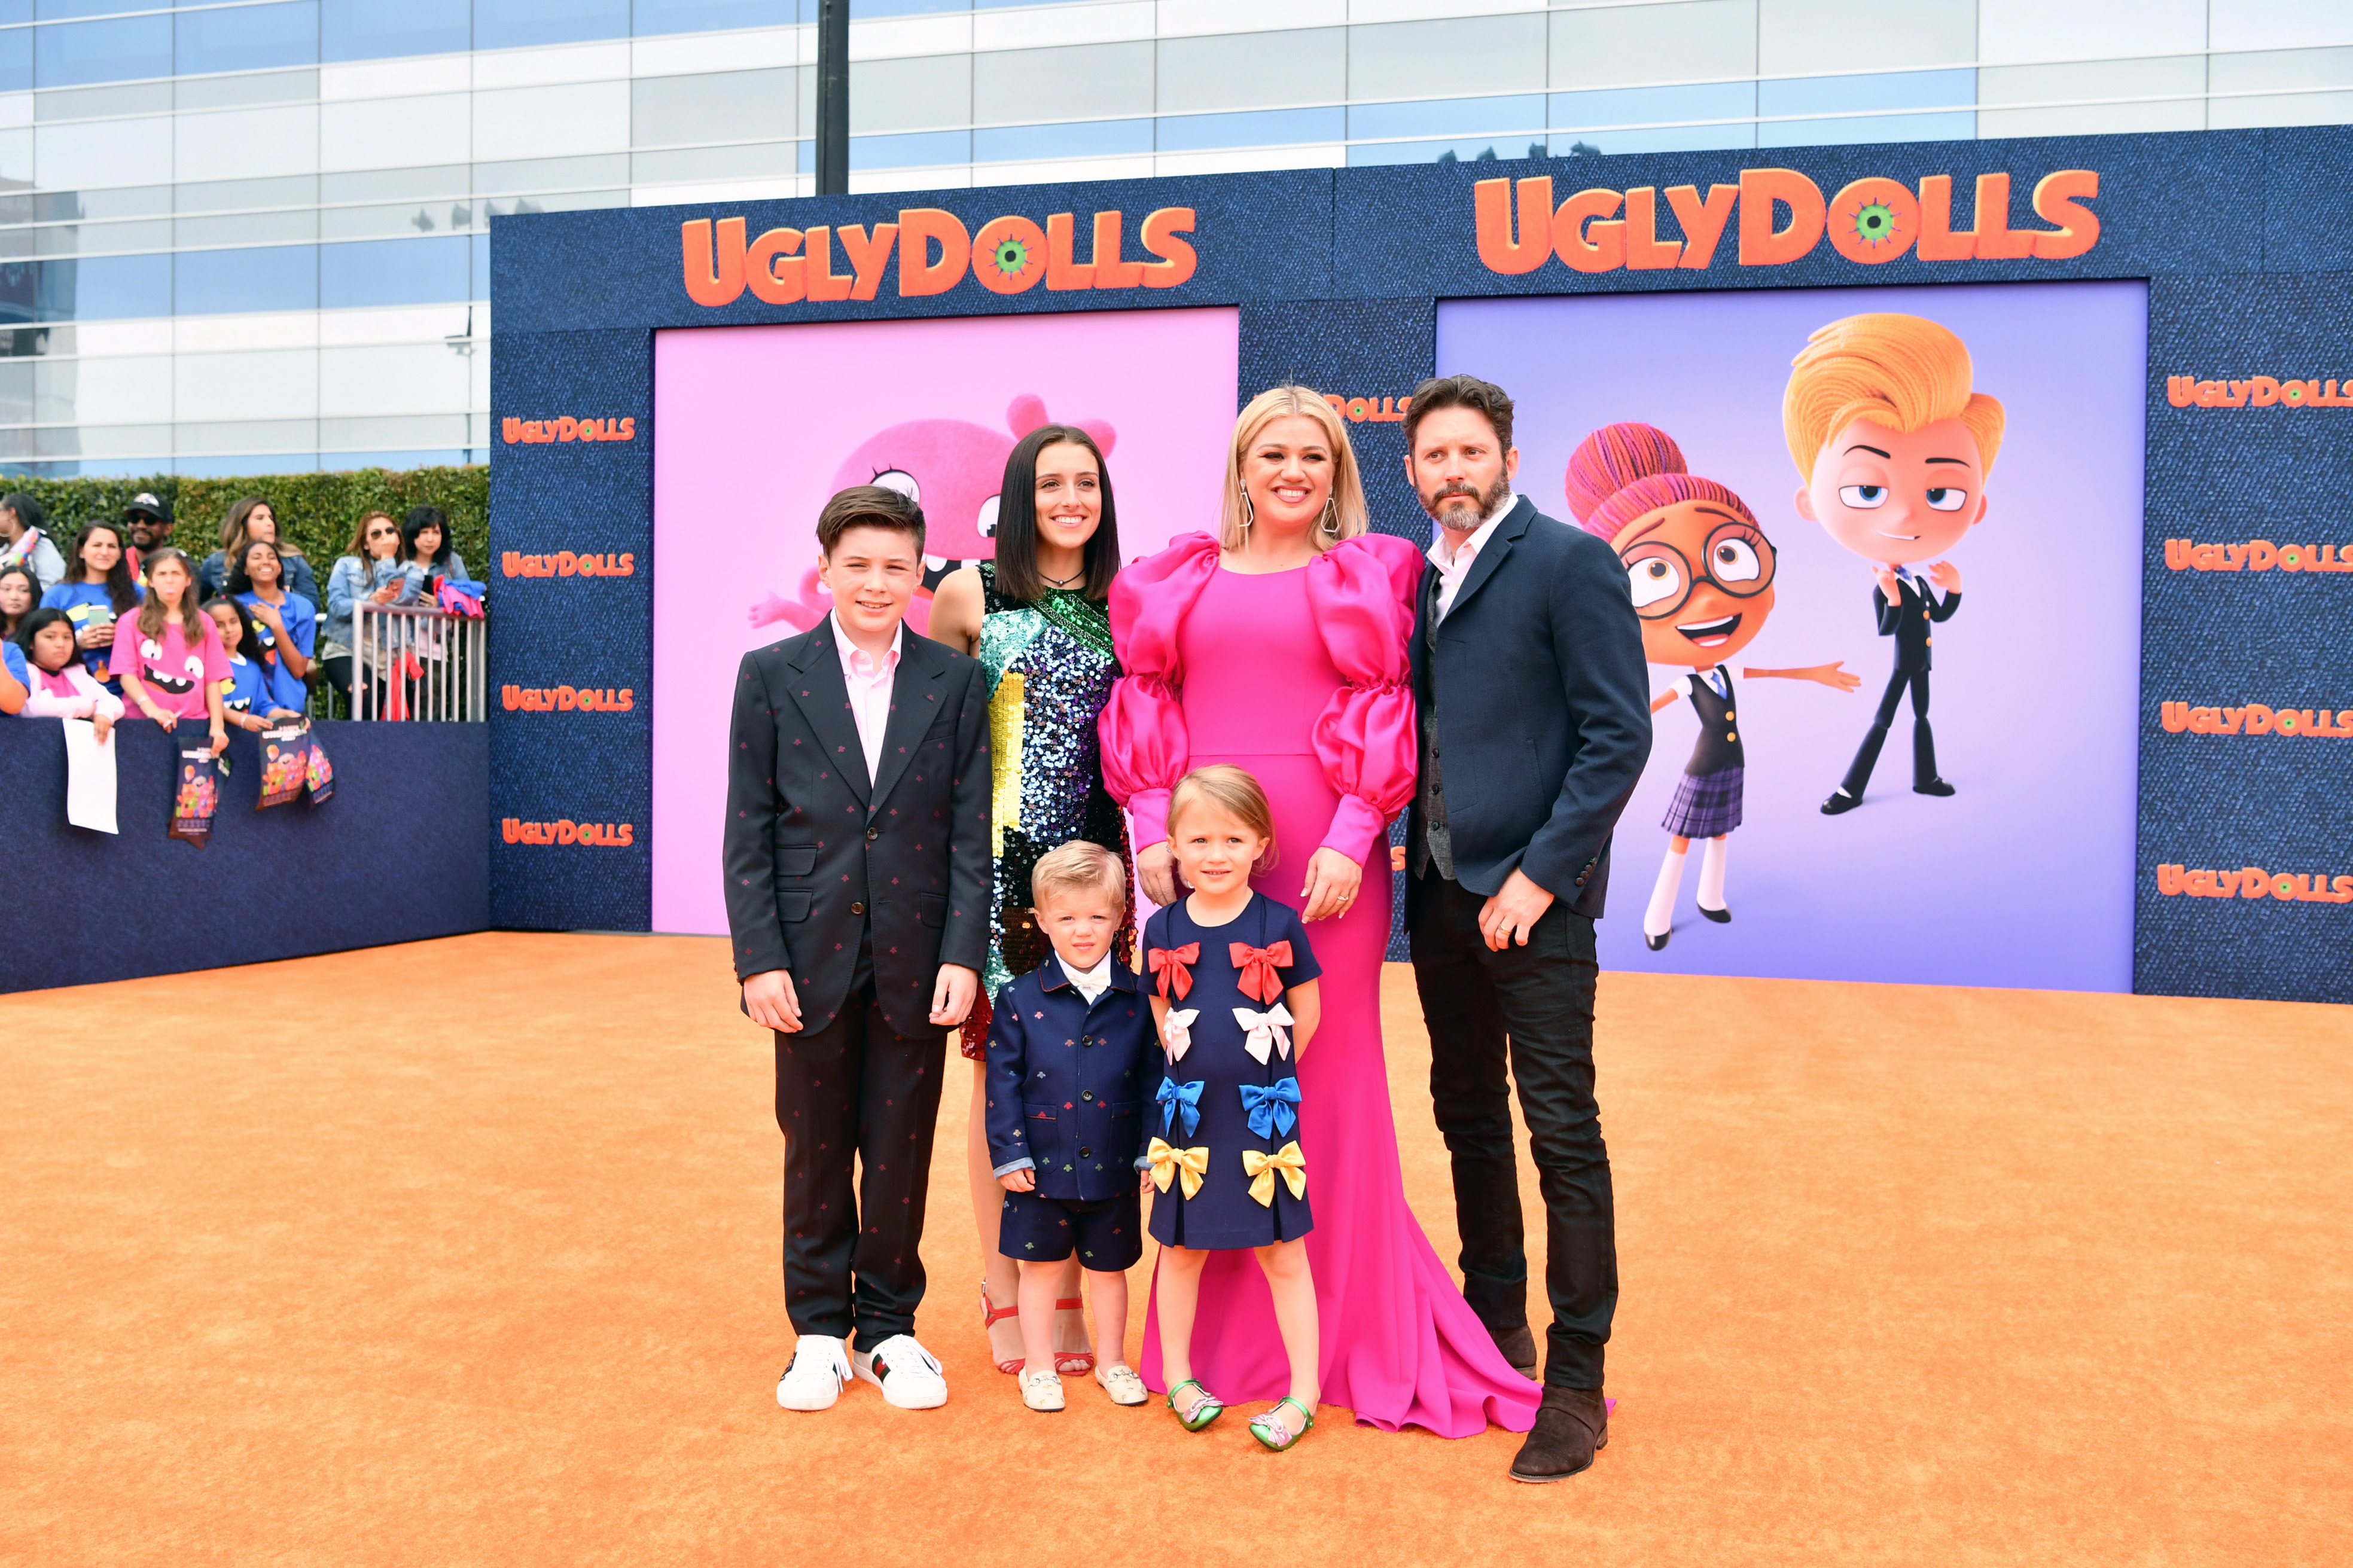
<point x="1894" y="447"/>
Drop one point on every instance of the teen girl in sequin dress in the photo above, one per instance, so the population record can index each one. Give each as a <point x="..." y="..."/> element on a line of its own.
<point x="1037" y="618"/>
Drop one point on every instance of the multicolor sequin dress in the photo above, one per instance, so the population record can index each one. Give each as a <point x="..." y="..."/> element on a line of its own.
<point x="1050" y="671"/>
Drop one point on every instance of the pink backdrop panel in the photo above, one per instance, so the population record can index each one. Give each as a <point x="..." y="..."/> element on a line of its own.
<point x="755" y="426"/>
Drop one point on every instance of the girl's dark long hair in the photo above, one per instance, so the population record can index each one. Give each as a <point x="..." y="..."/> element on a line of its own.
<point x="26" y="508"/>
<point x="1016" y="519"/>
<point x="122" y="588"/>
<point x="34" y="621"/>
<point x="21" y="569"/>
<point x="249" y="641"/>
<point x="421" y="518"/>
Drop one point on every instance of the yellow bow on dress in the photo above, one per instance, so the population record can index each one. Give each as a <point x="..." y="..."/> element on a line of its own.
<point x="1261" y="1168"/>
<point x="1168" y="1162"/>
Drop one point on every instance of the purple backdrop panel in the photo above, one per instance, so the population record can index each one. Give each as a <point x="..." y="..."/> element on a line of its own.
<point x="760" y="425"/>
<point x="2024" y="877"/>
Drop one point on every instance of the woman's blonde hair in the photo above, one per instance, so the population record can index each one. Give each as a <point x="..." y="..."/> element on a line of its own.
<point x="1231" y="790"/>
<point x="1345" y="516"/>
<point x="1078" y="867"/>
<point x="1900" y="372"/>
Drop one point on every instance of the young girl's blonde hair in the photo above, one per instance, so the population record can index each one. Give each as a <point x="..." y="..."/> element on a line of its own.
<point x="1075" y="867"/>
<point x="1901" y="372"/>
<point x="1231" y="790"/>
<point x="1344" y="515"/>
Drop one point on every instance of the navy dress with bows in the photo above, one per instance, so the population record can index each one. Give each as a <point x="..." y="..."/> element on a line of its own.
<point x="1218" y="1104"/>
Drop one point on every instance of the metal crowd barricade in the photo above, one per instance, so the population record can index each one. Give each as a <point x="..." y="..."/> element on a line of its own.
<point x="419" y="664"/>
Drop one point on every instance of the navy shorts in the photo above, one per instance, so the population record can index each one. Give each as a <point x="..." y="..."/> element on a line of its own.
<point x="1108" y="1236"/>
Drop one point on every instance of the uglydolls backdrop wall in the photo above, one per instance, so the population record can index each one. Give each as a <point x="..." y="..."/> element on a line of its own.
<point x="2136" y="704"/>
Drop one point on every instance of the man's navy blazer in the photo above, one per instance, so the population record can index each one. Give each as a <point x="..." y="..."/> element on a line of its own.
<point x="1540" y="697"/>
<point x="1067" y="1082"/>
<point x="815" y="851"/>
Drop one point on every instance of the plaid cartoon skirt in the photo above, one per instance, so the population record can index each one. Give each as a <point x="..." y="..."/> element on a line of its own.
<point x="1707" y="806"/>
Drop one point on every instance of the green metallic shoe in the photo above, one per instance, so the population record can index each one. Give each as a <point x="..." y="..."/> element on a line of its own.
<point x="1274" y="1433"/>
<point x="1206" y="1409"/>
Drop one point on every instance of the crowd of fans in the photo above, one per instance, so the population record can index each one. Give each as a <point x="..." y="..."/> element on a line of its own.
<point x="121" y="624"/>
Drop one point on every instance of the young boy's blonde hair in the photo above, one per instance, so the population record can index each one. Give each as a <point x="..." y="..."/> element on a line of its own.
<point x="1231" y="790"/>
<point x="1902" y="372"/>
<point x="1078" y="867"/>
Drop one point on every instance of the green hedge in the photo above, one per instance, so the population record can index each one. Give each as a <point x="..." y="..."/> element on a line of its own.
<point x="316" y="513"/>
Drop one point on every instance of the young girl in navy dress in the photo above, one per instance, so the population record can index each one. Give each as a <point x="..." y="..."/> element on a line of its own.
<point x="1234" y="992"/>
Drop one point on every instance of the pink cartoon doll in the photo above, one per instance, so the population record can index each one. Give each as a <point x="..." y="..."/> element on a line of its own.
<point x="1702" y="575"/>
<point x="951" y="468"/>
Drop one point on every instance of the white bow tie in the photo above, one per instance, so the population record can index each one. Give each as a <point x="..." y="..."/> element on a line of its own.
<point x="1176" y="1033"/>
<point x="1266" y="1030"/>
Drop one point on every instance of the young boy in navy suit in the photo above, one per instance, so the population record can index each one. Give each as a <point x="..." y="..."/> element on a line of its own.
<point x="856" y="858"/>
<point x="1067" y="1050"/>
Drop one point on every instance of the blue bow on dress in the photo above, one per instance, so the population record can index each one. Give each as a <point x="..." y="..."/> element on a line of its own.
<point x="1271" y="1115"/>
<point x="1182" y="1100"/>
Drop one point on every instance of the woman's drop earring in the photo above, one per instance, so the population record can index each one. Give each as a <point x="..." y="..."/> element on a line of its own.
<point x="1249" y="511"/>
<point x="1331" y="517"/>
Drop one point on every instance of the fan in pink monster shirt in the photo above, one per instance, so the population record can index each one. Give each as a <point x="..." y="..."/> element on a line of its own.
<point x="951" y="468"/>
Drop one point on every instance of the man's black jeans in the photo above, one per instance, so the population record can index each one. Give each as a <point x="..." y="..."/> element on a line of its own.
<point x="1531" y="1008"/>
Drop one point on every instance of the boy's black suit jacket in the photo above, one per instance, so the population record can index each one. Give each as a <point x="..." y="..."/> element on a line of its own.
<point x="1912" y="620"/>
<point x="1539" y="692"/>
<point x="814" y="850"/>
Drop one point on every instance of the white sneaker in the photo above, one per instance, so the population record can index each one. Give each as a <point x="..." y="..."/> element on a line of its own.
<point x="1041" y="1390"/>
<point x="1121" y="1383"/>
<point x="907" y="1374"/>
<point x="820" y="1370"/>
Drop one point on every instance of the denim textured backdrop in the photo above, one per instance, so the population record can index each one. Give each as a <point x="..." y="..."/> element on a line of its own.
<point x="1339" y="272"/>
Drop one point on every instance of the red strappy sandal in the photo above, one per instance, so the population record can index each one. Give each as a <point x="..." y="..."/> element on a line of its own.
<point x="1074" y="1363"/>
<point x="990" y="1315"/>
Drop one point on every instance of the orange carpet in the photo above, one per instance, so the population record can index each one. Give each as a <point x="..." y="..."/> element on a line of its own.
<point x="466" y="1253"/>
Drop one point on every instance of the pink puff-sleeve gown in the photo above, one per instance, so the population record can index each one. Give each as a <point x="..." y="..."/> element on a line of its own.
<point x="1301" y="676"/>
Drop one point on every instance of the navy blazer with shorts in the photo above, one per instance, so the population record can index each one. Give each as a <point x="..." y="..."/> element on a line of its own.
<point x="1539" y="691"/>
<point x="1067" y="1082"/>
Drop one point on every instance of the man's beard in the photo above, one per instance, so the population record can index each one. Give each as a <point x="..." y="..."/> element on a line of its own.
<point x="1437" y="505"/>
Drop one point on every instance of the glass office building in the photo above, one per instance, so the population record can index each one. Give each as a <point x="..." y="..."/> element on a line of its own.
<point x="253" y="237"/>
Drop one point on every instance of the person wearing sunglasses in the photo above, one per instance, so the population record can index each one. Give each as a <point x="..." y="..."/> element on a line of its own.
<point x="1701" y="574"/>
<point x="372" y="572"/>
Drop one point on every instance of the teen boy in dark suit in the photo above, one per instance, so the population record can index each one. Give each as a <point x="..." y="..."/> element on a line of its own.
<point x="857" y="875"/>
<point x="1535" y="711"/>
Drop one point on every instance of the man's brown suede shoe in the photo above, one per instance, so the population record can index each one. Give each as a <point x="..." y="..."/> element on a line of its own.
<point x="1572" y="1424"/>
<point x="1519" y="1348"/>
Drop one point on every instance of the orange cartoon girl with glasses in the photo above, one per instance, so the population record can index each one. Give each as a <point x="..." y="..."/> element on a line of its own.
<point x="1701" y="571"/>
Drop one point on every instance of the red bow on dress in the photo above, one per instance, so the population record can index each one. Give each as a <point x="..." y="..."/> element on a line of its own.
<point x="1169" y="964"/>
<point x="1258" y="965"/>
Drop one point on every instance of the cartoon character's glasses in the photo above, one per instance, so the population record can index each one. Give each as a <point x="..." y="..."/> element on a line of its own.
<point x="1736" y="558"/>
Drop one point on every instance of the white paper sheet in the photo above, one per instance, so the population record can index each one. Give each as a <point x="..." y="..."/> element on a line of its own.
<point x="90" y="777"/>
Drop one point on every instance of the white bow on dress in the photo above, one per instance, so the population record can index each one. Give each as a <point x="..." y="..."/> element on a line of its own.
<point x="1177" y="1034"/>
<point x="1266" y="1030"/>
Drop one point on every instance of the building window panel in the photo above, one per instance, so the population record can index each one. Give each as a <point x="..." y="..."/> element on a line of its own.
<point x="2095" y="118"/>
<point x="2038" y="30"/>
<point x="2284" y="108"/>
<point x="16" y="160"/>
<point x="760" y="161"/>
<point x="246" y="228"/>
<point x="402" y="220"/>
<point x="1615" y="44"/>
<point x="236" y="91"/>
<point x="410" y="130"/>
<point x="1794" y="35"/>
<point x="1257" y="70"/>
<point x="394" y="272"/>
<point x="920" y="93"/>
<point x="651" y="17"/>
<point x="271" y="277"/>
<point x="724" y="106"/>
<point x="406" y="378"/>
<point x="1262" y="128"/>
<point x="246" y="143"/>
<point x="241" y="466"/>
<point x="1651" y="106"/>
<point x="104" y="103"/>
<point x="867" y="8"/>
<point x="123" y="50"/>
<point x="920" y="150"/>
<point x="551" y="121"/>
<point x="106" y="288"/>
<point x="371" y="30"/>
<point x="247" y="37"/>
<point x="2278" y="23"/>
<point x="132" y="389"/>
<point x="1106" y="81"/>
<point x="1468" y="53"/>
<point x="59" y="10"/>
<point x="103" y="152"/>
<point x="2302" y="69"/>
<point x="538" y="174"/>
<point x="1451" y="150"/>
<point x="1830" y="95"/>
<point x="16" y="59"/>
<point x="516" y="24"/>
<point x="1942" y="126"/>
<point x="1087" y="139"/>
<point x="1458" y="117"/>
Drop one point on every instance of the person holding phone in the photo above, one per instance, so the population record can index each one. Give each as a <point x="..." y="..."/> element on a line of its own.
<point x="99" y="590"/>
<point x="372" y="573"/>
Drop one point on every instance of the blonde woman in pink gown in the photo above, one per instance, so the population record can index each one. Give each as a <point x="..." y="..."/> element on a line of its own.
<point x="1281" y="647"/>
